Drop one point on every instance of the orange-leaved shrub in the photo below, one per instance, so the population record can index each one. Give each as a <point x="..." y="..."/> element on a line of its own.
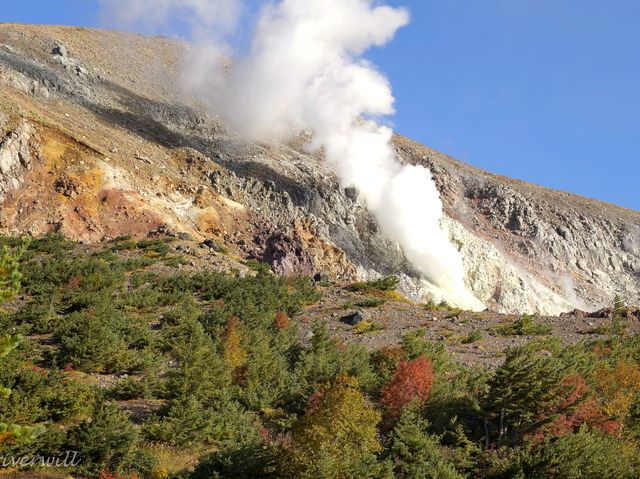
<point x="575" y="406"/>
<point x="411" y="381"/>
<point x="281" y="321"/>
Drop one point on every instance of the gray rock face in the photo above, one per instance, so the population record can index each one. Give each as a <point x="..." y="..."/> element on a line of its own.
<point x="15" y="158"/>
<point x="583" y="250"/>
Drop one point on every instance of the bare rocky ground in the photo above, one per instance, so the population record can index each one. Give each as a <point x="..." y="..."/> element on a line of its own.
<point x="454" y="328"/>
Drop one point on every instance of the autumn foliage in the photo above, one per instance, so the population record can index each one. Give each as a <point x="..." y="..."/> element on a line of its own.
<point x="575" y="406"/>
<point x="113" y="475"/>
<point x="340" y="425"/>
<point x="412" y="380"/>
<point x="618" y="387"/>
<point x="234" y="353"/>
<point x="281" y="321"/>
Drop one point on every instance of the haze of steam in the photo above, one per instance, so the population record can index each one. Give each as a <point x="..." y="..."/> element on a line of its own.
<point x="305" y="71"/>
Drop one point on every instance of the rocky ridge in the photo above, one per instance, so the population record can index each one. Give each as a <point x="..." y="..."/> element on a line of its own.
<point x="96" y="143"/>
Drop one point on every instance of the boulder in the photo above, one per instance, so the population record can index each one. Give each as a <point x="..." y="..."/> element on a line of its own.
<point x="60" y="50"/>
<point x="354" y="318"/>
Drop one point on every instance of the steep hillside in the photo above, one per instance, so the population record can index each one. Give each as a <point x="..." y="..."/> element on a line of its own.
<point x="97" y="142"/>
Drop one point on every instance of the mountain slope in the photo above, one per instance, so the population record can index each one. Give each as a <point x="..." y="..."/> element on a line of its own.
<point x="99" y="142"/>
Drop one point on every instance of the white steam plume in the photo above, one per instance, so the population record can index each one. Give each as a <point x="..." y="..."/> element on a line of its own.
<point x="202" y="20"/>
<point x="305" y="70"/>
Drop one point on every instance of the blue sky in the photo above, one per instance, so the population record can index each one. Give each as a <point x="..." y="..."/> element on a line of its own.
<point x="547" y="91"/>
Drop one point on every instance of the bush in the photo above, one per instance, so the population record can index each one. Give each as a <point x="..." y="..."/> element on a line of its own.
<point x="367" y="327"/>
<point x="371" y="302"/>
<point x="526" y="325"/>
<point x="106" y="441"/>
<point x="473" y="337"/>
<point x="99" y="340"/>
<point x="586" y="454"/>
<point x="190" y="423"/>
<point x="128" y="388"/>
<point x="411" y="381"/>
<point x="157" y="247"/>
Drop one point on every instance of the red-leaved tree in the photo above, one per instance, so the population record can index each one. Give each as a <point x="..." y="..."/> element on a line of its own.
<point x="574" y="407"/>
<point x="412" y="380"/>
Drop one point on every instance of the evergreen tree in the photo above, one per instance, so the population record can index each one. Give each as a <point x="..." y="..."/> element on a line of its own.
<point x="105" y="441"/>
<point x="9" y="287"/>
<point x="415" y="453"/>
<point x="520" y="390"/>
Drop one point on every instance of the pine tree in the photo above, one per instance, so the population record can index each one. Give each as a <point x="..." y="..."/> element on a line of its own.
<point x="9" y="287"/>
<point x="520" y="390"/>
<point x="415" y="453"/>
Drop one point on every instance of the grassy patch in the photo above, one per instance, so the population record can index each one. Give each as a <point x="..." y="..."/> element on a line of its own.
<point x="473" y="337"/>
<point x="367" y="327"/>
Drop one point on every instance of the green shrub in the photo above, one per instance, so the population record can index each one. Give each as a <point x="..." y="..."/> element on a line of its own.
<point x="367" y="327"/>
<point x="371" y="302"/>
<point x="189" y="423"/>
<point x="175" y="261"/>
<point x="158" y="247"/>
<point x="128" y="388"/>
<point x="583" y="455"/>
<point x="106" y="441"/>
<point x="123" y="243"/>
<point x="525" y="325"/>
<point x="101" y="340"/>
<point x="473" y="337"/>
